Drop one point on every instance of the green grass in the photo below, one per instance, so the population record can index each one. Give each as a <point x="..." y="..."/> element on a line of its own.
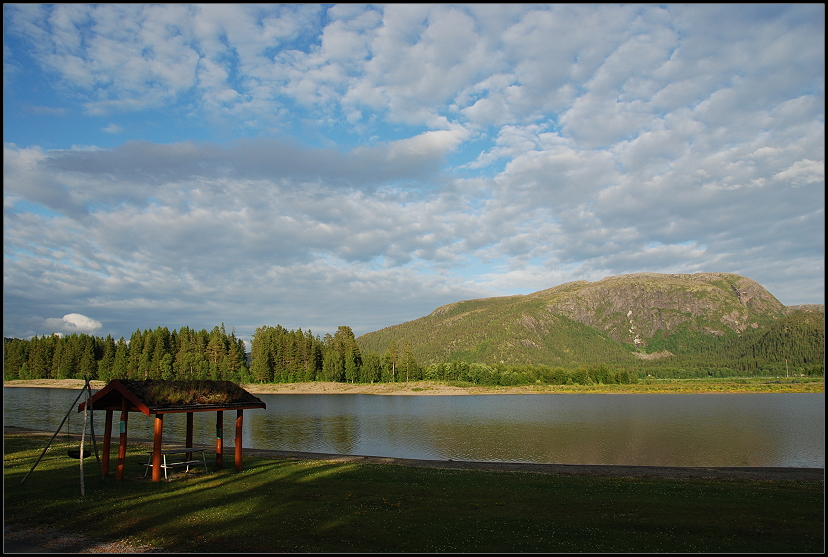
<point x="666" y="385"/>
<point x="174" y="393"/>
<point x="705" y="385"/>
<point x="318" y="506"/>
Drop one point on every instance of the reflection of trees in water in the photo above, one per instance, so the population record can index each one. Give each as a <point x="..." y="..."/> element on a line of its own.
<point x="717" y="437"/>
<point x="341" y="433"/>
<point x="334" y="434"/>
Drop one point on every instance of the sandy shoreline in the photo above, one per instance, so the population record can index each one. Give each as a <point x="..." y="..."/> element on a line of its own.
<point x="432" y="388"/>
<point x="318" y="387"/>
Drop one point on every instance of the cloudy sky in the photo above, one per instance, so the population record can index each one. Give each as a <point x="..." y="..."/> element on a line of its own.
<point x="315" y="166"/>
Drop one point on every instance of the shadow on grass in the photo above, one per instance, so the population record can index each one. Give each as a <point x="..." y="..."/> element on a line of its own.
<point x="318" y="506"/>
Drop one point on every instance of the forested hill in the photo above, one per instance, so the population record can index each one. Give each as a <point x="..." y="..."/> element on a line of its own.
<point x="618" y="319"/>
<point x="684" y="325"/>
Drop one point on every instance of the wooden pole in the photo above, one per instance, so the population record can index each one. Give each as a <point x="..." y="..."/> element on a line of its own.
<point x="107" y="442"/>
<point x="92" y="430"/>
<point x="189" y="438"/>
<point x="219" y="439"/>
<point x="239" y="419"/>
<point x="88" y="390"/>
<point x="46" y="448"/>
<point x="122" y="441"/>
<point x="156" y="447"/>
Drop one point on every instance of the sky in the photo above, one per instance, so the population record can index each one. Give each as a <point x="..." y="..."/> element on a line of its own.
<point x="316" y="165"/>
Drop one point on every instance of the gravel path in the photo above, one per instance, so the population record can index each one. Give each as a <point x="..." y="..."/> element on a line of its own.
<point x="19" y="538"/>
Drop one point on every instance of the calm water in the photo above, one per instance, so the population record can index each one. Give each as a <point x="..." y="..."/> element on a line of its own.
<point x="662" y="429"/>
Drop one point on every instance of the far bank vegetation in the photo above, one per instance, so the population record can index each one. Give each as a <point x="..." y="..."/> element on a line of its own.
<point x="791" y="347"/>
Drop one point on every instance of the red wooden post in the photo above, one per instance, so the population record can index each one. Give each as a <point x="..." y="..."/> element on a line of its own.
<point x="219" y="438"/>
<point x="107" y="442"/>
<point x="122" y="442"/>
<point x="239" y="418"/>
<point x="156" y="447"/>
<point x="189" y="439"/>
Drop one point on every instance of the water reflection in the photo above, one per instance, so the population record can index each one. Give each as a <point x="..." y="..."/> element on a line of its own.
<point x="663" y="429"/>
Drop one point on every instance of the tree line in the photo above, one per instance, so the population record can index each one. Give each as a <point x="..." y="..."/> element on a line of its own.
<point x="286" y="356"/>
<point x="278" y="355"/>
<point x="185" y="354"/>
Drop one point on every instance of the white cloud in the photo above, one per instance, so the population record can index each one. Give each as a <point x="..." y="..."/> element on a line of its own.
<point x="803" y="172"/>
<point x="72" y="323"/>
<point x="465" y="150"/>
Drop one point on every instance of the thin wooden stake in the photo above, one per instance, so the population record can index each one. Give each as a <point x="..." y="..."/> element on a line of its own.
<point x="83" y="433"/>
<point x="46" y="448"/>
<point x="92" y="426"/>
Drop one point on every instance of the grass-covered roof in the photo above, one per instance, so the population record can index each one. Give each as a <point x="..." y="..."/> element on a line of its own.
<point x="158" y="396"/>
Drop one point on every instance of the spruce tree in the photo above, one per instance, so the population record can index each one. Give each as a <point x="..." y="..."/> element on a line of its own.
<point x="351" y="365"/>
<point x="107" y="360"/>
<point x="371" y="371"/>
<point x="87" y="367"/>
<point x="391" y="359"/>
<point x="120" y="367"/>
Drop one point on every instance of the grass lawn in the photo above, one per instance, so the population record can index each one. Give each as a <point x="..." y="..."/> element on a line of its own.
<point x="703" y="385"/>
<point x="318" y="506"/>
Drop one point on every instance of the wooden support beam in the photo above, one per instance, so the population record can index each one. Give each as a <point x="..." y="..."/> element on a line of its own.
<point x="189" y="438"/>
<point x="239" y="419"/>
<point x="156" y="447"/>
<point x="122" y="442"/>
<point x="219" y="438"/>
<point x="107" y="442"/>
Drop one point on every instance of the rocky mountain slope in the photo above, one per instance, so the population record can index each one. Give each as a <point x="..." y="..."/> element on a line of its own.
<point x="615" y="319"/>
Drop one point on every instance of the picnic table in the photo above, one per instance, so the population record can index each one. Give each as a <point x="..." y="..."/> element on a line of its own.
<point x="187" y="460"/>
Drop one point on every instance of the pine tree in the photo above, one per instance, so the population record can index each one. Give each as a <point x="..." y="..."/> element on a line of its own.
<point x="261" y="368"/>
<point x="87" y="366"/>
<point x="351" y="365"/>
<point x="391" y="359"/>
<point x="120" y="367"/>
<point x="147" y="352"/>
<point x="371" y="368"/>
<point x="136" y="345"/>
<point x="107" y="361"/>
<point x="61" y="360"/>
<point x="333" y="366"/>
<point x="15" y="356"/>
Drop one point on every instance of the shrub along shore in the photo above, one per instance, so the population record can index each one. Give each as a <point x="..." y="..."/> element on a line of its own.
<point x="327" y="505"/>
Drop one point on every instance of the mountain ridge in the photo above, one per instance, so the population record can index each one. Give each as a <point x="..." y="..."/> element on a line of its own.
<point x="616" y="319"/>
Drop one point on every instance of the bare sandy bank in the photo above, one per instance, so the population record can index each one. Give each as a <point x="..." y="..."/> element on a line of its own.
<point x="411" y="388"/>
<point x="435" y="388"/>
<point x="317" y="387"/>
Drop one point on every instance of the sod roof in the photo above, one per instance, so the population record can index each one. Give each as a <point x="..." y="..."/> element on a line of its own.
<point x="164" y="397"/>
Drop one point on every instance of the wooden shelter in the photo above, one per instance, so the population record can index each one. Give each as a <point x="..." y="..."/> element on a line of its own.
<point x="155" y="397"/>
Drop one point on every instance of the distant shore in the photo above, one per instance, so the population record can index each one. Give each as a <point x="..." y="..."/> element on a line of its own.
<point x="317" y="387"/>
<point x="724" y="385"/>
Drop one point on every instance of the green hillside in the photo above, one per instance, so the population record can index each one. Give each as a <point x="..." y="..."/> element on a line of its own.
<point x="622" y="319"/>
<point x="794" y="343"/>
<point x="513" y="330"/>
